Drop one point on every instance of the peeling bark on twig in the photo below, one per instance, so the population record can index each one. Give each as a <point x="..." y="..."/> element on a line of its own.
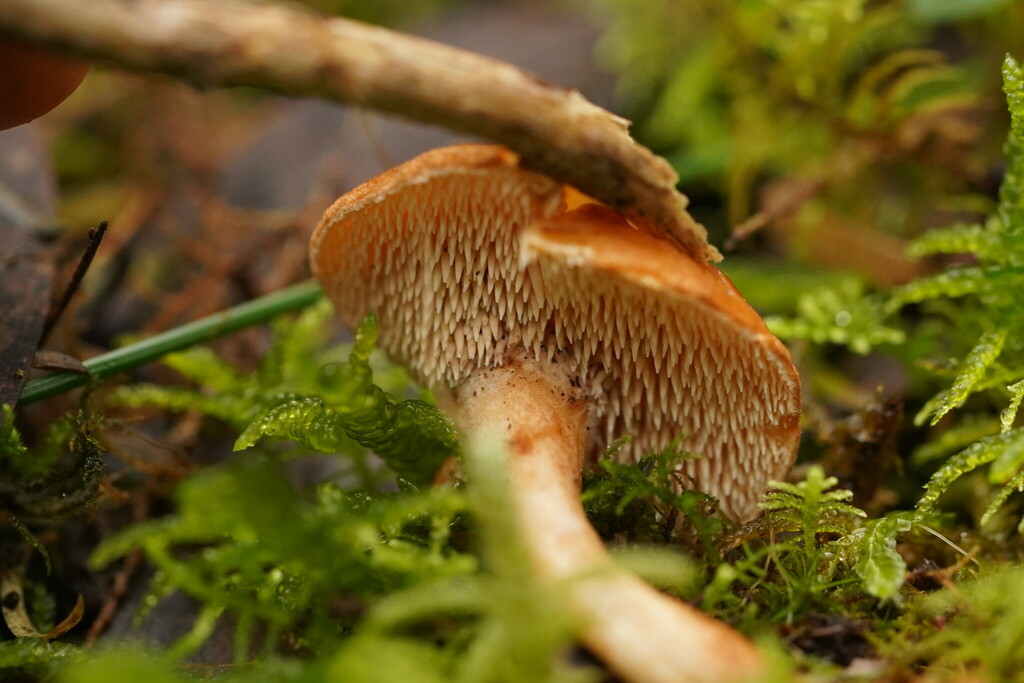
<point x="233" y="42"/>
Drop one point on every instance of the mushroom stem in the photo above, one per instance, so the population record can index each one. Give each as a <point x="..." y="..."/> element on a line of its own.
<point x="643" y="635"/>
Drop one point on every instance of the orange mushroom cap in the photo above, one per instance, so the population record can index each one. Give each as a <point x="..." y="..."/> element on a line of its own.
<point x="467" y="257"/>
<point x="33" y="81"/>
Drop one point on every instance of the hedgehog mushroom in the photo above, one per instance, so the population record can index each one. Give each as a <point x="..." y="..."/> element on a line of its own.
<point x="558" y="329"/>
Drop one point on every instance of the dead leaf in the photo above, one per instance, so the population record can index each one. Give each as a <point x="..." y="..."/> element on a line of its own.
<point x="12" y="603"/>
<point x="55" y="360"/>
<point x="26" y="261"/>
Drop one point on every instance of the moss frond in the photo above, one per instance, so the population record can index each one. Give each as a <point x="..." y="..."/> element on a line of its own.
<point x="954" y="283"/>
<point x="328" y="408"/>
<point x="1009" y="414"/>
<point x="810" y="507"/>
<point x="60" y="476"/>
<point x="972" y="371"/>
<point x="844" y="314"/>
<point x="1011" y="191"/>
<point x="650" y="501"/>
<point x="412" y="436"/>
<point x="981" y="240"/>
<point x="981" y="452"/>
<point x="880" y="567"/>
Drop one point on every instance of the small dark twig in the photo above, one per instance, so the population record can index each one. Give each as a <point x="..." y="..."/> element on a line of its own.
<point x="777" y="208"/>
<point x="95" y="238"/>
<point x="139" y="511"/>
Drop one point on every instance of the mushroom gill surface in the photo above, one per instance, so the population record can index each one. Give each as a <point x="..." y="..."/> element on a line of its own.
<point x="673" y="350"/>
<point x="664" y="346"/>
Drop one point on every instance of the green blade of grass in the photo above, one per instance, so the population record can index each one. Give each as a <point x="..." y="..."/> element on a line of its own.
<point x="196" y="332"/>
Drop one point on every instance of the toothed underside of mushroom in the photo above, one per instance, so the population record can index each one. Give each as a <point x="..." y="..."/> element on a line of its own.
<point x="459" y="281"/>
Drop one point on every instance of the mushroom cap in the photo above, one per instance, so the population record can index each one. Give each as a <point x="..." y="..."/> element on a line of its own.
<point x="33" y="81"/>
<point x="467" y="258"/>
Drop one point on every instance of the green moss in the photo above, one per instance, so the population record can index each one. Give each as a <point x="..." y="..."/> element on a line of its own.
<point x="995" y="361"/>
<point x="378" y="577"/>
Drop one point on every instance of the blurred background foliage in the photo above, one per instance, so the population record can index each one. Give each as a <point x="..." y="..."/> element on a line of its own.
<point x="829" y="145"/>
<point x="832" y="115"/>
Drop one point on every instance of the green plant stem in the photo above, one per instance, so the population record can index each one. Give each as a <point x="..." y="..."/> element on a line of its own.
<point x="196" y="332"/>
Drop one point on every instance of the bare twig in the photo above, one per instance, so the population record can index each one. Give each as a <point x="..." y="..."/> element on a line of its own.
<point x="140" y="509"/>
<point x="235" y="42"/>
<point x="95" y="238"/>
<point x="784" y="204"/>
<point x="109" y="609"/>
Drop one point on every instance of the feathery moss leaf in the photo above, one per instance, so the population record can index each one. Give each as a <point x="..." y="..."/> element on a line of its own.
<point x="306" y="420"/>
<point x="810" y="506"/>
<point x="332" y="408"/>
<point x="1014" y="485"/>
<point x="280" y="575"/>
<point x="999" y="248"/>
<point x="645" y="501"/>
<point x="1011" y="191"/>
<point x="981" y="452"/>
<point x="412" y="436"/>
<point x="973" y="369"/>
<point x="844" y="314"/>
<point x="880" y="567"/>
<point x="1009" y="414"/>
<point x="983" y="241"/>
<point x="950" y="284"/>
